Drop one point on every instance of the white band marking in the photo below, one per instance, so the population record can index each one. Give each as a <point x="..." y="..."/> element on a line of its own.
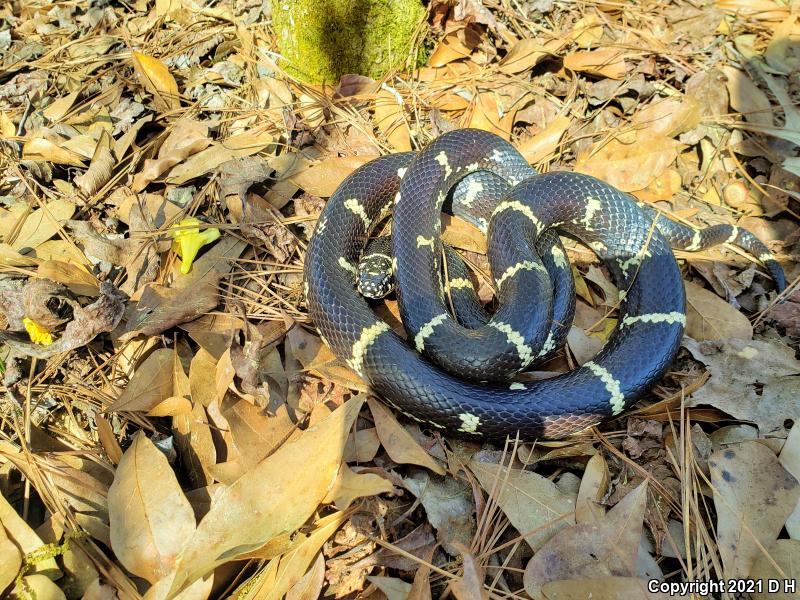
<point x="612" y="386"/>
<point x="365" y="340"/>
<point x="426" y="330"/>
<point x="515" y="339"/>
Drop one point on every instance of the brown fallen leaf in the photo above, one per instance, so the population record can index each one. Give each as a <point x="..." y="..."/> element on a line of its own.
<point x="753" y="496"/>
<point x="351" y="485"/>
<point x="100" y="169"/>
<point x="398" y="443"/>
<point x="195" y="444"/>
<point x="246" y="515"/>
<point x="309" y="586"/>
<point x="603" y="588"/>
<point x="709" y="317"/>
<point x="362" y="446"/>
<point x="449" y="507"/>
<point x="536" y="507"/>
<point x="20" y="533"/>
<point x="42" y="224"/>
<point x="608" y="62"/>
<point x="322" y="178"/>
<point x="458" y="43"/>
<point x="392" y="587"/>
<point x="285" y="571"/>
<point x="594" y="485"/>
<point x="751" y="380"/>
<point x="208" y="160"/>
<point x="151" y="384"/>
<point x="149" y="516"/>
<point x="747" y="98"/>
<point x="778" y="571"/>
<point x="157" y="80"/>
<point x="186" y="138"/>
<point x="606" y="547"/>
<point x="527" y="53"/>
<point x="544" y="143"/>
<point x="255" y="433"/>
<point x="191" y="296"/>
<point x="10" y="560"/>
<point x="470" y="585"/>
<point x="391" y="120"/>
<point x="46" y="150"/>
<point x="790" y="460"/>
<point x="668" y="117"/>
<point x="630" y="166"/>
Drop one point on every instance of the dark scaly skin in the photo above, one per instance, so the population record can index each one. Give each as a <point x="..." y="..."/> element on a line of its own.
<point x="636" y="355"/>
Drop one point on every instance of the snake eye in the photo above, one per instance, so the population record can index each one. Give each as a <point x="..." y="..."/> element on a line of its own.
<point x="375" y="276"/>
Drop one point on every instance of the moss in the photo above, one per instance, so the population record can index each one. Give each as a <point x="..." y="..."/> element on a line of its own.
<point x="321" y="40"/>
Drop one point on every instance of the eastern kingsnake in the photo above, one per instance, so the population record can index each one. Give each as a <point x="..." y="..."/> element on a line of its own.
<point x="492" y="185"/>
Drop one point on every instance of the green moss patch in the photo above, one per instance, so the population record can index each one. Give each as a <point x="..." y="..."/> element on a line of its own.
<point x="321" y="40"/>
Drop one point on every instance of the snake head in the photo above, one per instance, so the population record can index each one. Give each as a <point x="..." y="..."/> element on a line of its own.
<point x="375" y="276"/>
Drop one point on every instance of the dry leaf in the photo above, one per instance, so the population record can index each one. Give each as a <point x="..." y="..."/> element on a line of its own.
<point x="351" y="485"/>
<point x="544" y="143"/>
<point x="100" y="169"/>
<point x="527" y="53"/>
<point x="398" y="443"/>
<point x="608" y="62"/>
<point x="204" y="162"/>
<point x="668" y="116"/>
<point x="753" y="496"/>
<point x="747" y="98"/>
<point x="790" y="459"/>
<point x="752" y="380"/>
<point x="606" y="547"/>
<point x="149" y="516"/>
<point x="309" y="586"/>
<point x="781" y="582"/>
<point x="44" y="149"/>
<point x="391" y="120"/>
<point x="151" y="384"/>
<point x="709" y="317"/>
<point x="157" y="80"/>
<point x="42" y="224"/>
<point x="587" y="31"/>
<point x="247" y="515"/>
<point x="633" y="166"/>
<point x="594" y="486"/>
<point x="186" y="138"/>
<point x="294" y="563"/>
<point x="536" y="507"/>
<point x="603" y="588"/>
<point x="322" y="178"/>
<point x="10" y="560"/>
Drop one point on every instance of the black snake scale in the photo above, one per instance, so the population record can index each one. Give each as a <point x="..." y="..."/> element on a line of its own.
<point x="633" y="241"/>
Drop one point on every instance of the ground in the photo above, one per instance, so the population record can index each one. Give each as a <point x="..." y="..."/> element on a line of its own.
<point x="172" y="422"/>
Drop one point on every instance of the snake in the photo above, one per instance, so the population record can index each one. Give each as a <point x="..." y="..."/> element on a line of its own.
<point x="459" y="369"/>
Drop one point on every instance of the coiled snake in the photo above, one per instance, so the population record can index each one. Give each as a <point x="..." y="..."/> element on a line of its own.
<point x="492" y="185"/>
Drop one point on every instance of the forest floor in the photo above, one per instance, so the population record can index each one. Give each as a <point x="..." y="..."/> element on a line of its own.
<point x="172" y="425"/>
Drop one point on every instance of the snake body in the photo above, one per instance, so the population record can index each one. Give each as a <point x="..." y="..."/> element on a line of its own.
<point x="460" y="384"/>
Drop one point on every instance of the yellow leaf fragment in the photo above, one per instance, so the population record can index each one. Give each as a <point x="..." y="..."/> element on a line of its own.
<point x="189" y="239"/>
<point x="37" y="333"/>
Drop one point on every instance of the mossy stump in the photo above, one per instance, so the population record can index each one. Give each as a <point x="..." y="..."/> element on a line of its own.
<point x="321" y="40"/>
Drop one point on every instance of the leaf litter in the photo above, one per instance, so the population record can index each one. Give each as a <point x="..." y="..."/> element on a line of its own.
<point x="172" y="425"/>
